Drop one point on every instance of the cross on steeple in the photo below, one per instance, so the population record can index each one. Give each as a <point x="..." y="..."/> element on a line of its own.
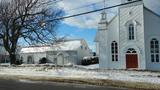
<point x="104" y="14"/>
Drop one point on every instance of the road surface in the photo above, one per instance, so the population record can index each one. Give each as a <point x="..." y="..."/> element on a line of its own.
<point x="29" y="85"/>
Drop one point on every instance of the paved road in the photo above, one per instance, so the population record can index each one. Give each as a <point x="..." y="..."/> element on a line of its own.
<point x="28" y="85"/>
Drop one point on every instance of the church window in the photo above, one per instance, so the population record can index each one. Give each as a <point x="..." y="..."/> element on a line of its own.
<point x="114" y="51"/>
<point x="154" y="50"/>
<point x="131" y="32"/>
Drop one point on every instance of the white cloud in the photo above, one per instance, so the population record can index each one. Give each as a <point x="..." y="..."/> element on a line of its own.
<point x="85" y="21"/>
<point x="91" y="20"/>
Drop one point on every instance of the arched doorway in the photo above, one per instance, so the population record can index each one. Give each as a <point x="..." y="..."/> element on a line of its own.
<point x="131" y="58"/>
<point x="60" y="59"/>
<point x="30" y="60"/>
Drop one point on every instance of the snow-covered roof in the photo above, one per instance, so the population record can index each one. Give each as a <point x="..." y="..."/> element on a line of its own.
<point x="35" y="49"/>
<point x="60" y="46"/>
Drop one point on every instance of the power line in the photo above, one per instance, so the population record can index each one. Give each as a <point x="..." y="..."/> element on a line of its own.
<point x="84" y="6"/>
<point x="84" y="13"/>
<point x="87" y="5"/>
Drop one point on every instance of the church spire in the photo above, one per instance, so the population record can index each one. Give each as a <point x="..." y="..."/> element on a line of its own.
<point x="104" y="14"/>
<point x="103" y="22"/>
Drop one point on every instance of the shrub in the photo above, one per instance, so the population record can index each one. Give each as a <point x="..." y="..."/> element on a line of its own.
<point x="43" y="60"/>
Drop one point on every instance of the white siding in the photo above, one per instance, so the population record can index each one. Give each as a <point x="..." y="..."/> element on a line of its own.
<point x="82" y="51"/>
<point x="147" y="26"/>
<point x="113" y="35"/>
<point x="134" y="14"/>
<point x="36" y="56"/>
<point x="152" y="30"/>
<point x="97" y="49"/>
<point x="105" y="37"/>
<point x="72" y="52"/>
<point x="117" y="31"/>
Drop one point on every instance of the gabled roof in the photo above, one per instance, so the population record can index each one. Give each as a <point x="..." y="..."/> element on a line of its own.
<point x="146" y="8"/>
<point x="151" y="11"/>
<point x="67" y="45"/>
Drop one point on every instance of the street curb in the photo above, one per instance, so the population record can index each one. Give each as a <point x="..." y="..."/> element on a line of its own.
<point x="97" y="82"/>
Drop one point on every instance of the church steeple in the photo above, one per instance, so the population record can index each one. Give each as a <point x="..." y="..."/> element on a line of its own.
<point x="104" y="14"/>
<point x="103" y="22"/>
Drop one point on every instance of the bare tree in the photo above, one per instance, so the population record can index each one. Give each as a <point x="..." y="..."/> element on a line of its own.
<point x="27" y="20"/>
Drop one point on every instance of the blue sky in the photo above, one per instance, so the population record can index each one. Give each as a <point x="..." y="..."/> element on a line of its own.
<point x="74" y="32"/>
<point x="85" y="27"/>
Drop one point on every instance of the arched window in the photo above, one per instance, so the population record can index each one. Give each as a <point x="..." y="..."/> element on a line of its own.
<point x="114" y="51"/>
<point x="131" y="35"/>
<point x="131" y="51"/>
<point x="154" y="50"/>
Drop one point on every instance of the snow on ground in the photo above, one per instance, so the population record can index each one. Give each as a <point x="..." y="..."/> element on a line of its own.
<point x="84" y="72"/>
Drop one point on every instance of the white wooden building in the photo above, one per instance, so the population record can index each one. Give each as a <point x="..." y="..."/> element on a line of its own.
<point x="131" y="39"/>
<point x="2" y="53"/>
<point x="64" y="52"/>
<point x="4" y="56"/>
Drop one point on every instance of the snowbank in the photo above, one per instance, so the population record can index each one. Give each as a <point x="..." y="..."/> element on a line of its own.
<point x="88" y="72"/>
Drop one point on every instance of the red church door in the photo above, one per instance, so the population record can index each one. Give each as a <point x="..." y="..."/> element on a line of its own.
<point x="131" y="59"/>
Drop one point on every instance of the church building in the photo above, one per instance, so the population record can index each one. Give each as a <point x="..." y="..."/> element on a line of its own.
<point x="131" y="40"/>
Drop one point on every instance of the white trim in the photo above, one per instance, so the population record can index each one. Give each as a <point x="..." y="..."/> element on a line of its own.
<point x="135" y="23"/>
